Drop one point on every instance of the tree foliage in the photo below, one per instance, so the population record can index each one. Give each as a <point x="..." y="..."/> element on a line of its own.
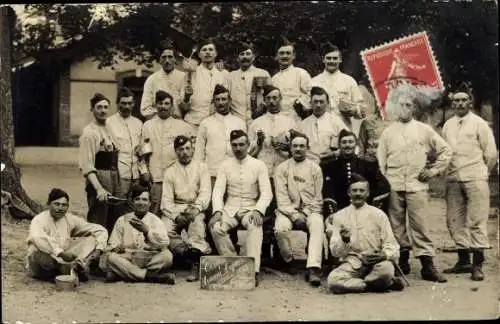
<point x="463" y="34"/>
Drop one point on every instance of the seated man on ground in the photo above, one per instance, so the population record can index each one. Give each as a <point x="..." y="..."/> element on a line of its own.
<point x="361" y="237"/>
<point x="138" y="246"/>
<point x="299" y="183"/>
<point x="185" y="197"/>
<point x="59" y="241"/>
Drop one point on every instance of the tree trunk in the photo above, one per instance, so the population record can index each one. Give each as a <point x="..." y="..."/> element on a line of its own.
<point x="11" y="176"/>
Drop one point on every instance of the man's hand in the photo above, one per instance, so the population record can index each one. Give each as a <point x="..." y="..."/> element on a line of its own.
<point x="280" y="146"/>
<point x="373" y="258"/>
<point x="426" y="175"/>
<point x="103" y="194"/>
<point x="256" y="218"/>
<point x="182" y="221"/>
<point x="191" y="212"/>
<point x="67" y="256"/>
<point x="139" y="225"/>
<point x="219" y="65"/>
<point x="300" y="222"/>
<point x="345" y="234"/>
<point x="119" y="249"/>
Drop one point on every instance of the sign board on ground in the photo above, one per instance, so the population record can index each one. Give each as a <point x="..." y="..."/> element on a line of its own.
<point x="227" y="272"/>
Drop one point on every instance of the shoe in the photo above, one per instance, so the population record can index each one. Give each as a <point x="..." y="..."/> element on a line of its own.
<point x="155" y="277"/>
<point x="463" y="264"/>
<point x="257" y="279"/>
<point x="477" y="265"/>
<point x="82" y="270"/>
<point x="313" y="277"/>
<point x="111" y="277"/>
<point x="404" y="261"/>
<point x="195" y="273"/>
<point x="429" y="271"/>
<point x="290" y="268"/>
<point x="397" y="284"/>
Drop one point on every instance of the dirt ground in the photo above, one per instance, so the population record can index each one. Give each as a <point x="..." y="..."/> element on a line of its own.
<point x="279" y="296"/>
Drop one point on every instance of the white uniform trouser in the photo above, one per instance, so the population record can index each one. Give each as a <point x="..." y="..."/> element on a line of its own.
<point x="123" y="266"/>
<point x="196" y="232"/>
<point x="253" y="241"/>
<point x="43" y="265"/>
<point x="468" y="205"/>
<point x="283" y="227"/>
<point x="345" y="278"/>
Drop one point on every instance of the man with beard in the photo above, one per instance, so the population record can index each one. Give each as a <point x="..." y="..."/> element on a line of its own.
<point x="467" y="191"/>
<point x="341" y="88"/>
<point x="212" y="142"/>
<point x="266" y="137"/>
<point x="402" y="156"/>
<point x="138" y="246"/>
<point x="126" y="131"/>
<point x="98" y="161"/>
<point x="185" y="197"/>
<point x="298" y="193"/>
<point x="241" y="82"/>
<point x="361" y="237"/>
<point x="338" y="175"/>
<point x="168" y="79"/>
<point x="322" y="128"/>
<point x="160" y="132"/>
<point x="293" y="82"/>
<point x="197" y="94"/>
<point x="59" y="241"/>
<point x="245" y="182"/>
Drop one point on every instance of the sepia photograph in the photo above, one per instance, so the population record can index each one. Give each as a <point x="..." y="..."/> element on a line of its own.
<point x="249" y="161"/>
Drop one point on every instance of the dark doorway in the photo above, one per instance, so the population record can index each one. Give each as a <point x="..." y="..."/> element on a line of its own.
<point x="32" y="103"/>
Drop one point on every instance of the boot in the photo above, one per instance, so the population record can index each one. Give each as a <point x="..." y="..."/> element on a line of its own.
<point x="195" y="273"/>
<point x="290" y="268"/>
<point x="397" y="284"/>
<point x="429" y="271"/>
<point x="477" y="265"/>
<point x="313" y="276"/>
<point x="82" y="270"/>
<point x="463" y="264"/>
<point x="156" y="277"/>
<point x="257" y="279"/>
<point x="404" y="261"/>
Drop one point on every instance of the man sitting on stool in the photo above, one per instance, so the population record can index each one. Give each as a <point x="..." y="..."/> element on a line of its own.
<point x="362" y="238"/>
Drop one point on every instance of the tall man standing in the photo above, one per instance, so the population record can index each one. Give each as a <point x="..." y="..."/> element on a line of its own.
<point x="402" y="156"/>
<point x="322" y="128"/>
<point x="341" y="88"/>
<point x="126" y="130"/>
<point x="199" y="86"/>
<point x="160" y="132"/>
<point x="241" y="82"/>
<point x="293" y="82"/>
<point x="245" y="182"/>
<point x="299" y="183"/>
<point x="167" y="79"/>
<point x="467" y="190"/>
<point x="212" y="141"/>
<point x="185" y="197"/>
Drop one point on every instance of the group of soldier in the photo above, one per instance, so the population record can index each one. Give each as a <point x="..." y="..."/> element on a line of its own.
<point x="204" y="164"/>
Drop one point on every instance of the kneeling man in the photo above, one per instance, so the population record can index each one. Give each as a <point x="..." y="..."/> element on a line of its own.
<point x="361" y="237"/>
<point x="299" y="183"/>
<point x="59" y="241"/>
<point x="185" y="197"/>
<point x="138" y="246"/>
<point x="245" y="181"/>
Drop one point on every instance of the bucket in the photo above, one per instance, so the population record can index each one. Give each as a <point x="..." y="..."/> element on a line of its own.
<point x="66" y="282"/>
